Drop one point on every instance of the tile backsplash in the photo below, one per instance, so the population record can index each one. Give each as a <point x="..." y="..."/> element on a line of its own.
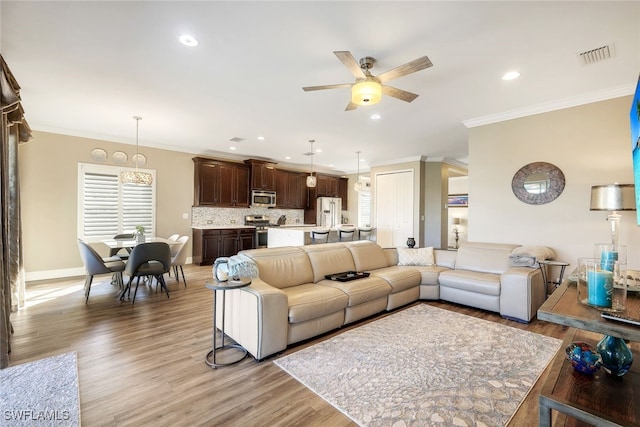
<point x="203" y="216"/>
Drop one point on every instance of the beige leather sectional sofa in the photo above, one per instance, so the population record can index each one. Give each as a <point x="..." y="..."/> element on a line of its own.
<point x="292" y="300"/>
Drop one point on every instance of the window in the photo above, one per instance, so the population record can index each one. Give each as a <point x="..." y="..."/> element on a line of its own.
<point x="107" y="207"/>
<point x="364" y="209"/>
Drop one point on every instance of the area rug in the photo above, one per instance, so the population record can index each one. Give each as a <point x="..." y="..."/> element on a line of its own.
<point x="425" y="366"/>
<point x="41" y="393"/>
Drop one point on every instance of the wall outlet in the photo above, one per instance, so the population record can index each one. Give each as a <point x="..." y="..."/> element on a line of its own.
<point x="233" y="221"/>
<point x="209" y="221"/>
<point x="185" y="216"/>
<point x="297" y="220"/>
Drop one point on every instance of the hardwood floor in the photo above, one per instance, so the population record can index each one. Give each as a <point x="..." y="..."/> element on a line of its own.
<point x="144" y="364"/>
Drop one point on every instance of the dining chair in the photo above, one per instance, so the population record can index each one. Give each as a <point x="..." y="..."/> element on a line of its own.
<point x="179" y="258"/>
<point x="122" y="236"/>
<point x="94" y="264"/>
<point x="173" y="237"/>
<point x="151" y="259"/>
<point x="319" y="236"/>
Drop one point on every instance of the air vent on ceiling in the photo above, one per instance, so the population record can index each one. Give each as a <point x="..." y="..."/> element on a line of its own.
<point x="595" y="55"/>
<point x="236" y="139"/>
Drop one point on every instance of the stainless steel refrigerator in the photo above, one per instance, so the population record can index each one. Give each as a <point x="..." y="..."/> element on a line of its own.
<point x="329" y="212"/>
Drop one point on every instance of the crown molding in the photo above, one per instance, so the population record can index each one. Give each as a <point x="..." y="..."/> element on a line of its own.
<point x="546" y="107"/>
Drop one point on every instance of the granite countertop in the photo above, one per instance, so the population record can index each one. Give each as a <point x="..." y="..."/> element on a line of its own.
<point x="221" y="226"/>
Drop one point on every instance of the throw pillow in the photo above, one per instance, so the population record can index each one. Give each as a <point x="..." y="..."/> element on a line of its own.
<point x="417" y="256"/>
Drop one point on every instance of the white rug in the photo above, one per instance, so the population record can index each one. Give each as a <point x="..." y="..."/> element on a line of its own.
<point x="425" y="366"/>
<point x="41" y="393"/>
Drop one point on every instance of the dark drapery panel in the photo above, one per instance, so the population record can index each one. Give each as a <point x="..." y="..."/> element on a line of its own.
<point x="13" y="130"/>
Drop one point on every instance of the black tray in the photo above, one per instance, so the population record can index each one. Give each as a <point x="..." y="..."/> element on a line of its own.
<point x="347" y="276"/>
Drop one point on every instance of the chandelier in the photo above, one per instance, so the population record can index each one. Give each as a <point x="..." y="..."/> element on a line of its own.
<point x="311" y="179"/>
<point x="136" y="177"/>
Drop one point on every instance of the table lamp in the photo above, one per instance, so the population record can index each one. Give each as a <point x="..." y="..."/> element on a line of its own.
<point x="456" y="222"/>
<point x="614" y="198"/>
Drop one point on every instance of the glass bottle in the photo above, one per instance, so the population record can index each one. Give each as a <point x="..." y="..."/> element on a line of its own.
<point x="616" y="355"/>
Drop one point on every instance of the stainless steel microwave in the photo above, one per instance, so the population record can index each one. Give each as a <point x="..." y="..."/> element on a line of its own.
<point x="263" y="199"/>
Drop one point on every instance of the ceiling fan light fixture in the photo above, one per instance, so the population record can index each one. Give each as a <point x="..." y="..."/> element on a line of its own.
<point x="366" y="92"/>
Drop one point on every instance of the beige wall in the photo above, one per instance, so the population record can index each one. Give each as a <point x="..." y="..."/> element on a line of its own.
<point x="48" y="179"/>
<point x="591" y="144"/>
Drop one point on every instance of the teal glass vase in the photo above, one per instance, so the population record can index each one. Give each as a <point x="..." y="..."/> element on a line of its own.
<point x="616" y="355"/>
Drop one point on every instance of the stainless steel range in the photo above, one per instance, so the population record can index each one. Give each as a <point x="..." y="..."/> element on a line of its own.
<point x="261" y="223"/>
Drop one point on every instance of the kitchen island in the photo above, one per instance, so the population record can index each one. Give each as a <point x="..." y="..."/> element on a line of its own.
<point x="296" y="235"/>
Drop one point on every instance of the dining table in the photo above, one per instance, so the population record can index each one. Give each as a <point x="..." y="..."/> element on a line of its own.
<point x="129" y="244"/>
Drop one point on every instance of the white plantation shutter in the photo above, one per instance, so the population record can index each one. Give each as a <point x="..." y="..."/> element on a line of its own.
<point x="364" y="209"/>
<point x="107" y="207"/>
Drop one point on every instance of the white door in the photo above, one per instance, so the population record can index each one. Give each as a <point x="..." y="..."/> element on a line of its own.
<point x="394" y="208"/>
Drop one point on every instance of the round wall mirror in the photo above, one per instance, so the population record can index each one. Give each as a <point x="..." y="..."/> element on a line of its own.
<point x="538" y="183"/>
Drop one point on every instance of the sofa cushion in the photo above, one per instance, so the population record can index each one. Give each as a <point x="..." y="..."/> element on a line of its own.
<point x="430" y="274"/>
<point x="399" y="278"/>
<point x="484" y="257"/>
<point x="310" y="301"/>
<point x="471" y="281"/>
<point x="360" y="291"/>
<point x="367" y="255"/>
<point x="417" y="256"/>
<point x="282" y="267"/>
<point x="328" y="258"/>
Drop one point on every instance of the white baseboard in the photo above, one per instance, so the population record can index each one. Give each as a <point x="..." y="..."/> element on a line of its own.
<point x="32" y="276"/>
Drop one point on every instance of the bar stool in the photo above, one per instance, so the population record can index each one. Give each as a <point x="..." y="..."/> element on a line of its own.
<point x="365" y="232"/>
<point x="346" y="233"/>
<point x="319" y="236"/>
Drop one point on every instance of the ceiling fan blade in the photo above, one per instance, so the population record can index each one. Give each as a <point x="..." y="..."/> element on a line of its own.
<point x="403" y="70"/>
<point x="350" y="62"/>
<point x="309" y="88"/>
<point x="351" y="106"/>
<point x="399" y="93"/>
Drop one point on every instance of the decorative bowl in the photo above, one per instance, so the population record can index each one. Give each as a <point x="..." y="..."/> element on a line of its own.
<point x="583" y="357"/>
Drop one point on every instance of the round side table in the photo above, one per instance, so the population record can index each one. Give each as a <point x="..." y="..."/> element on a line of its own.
<point x="544" y="264"/>
<point x="215" y="285"/>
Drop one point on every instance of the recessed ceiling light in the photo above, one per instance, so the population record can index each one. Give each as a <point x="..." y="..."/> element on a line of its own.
<point x="375" y="116"/>
<point x="511" y="75"/>
<point x="188" y="40"/>
<point x="318" y="150"/>
<point x="261" y="138"/>
<point x="232" y="148"/>
<point x="287" y="158"/>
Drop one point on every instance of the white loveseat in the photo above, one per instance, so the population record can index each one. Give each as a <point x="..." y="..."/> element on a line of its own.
<point x="292" y="301"/>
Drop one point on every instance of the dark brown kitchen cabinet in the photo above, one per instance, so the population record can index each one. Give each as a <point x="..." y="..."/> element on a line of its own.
<point x="291" y="190"/>
<point x="220" y="184"/>
<point x="343" y="192"/>
<point x="263" y="175"/>
<point x="212" y="243"/>
<point x="327" y="186"/>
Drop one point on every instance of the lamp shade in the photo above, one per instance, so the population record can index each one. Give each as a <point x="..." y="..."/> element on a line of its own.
<point x="311" y="181"/>
<point x="136" y="177"/>
<point x="613" y="197"/>
<point x="367" y="92"/>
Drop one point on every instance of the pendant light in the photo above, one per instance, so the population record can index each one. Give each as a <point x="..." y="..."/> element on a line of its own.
<point x="136" y="177"/>
<point x="358" y="185"/>
<point x="311" y="179"/>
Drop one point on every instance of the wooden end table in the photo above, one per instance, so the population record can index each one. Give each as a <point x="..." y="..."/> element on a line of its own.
<point x="599" y="399"/>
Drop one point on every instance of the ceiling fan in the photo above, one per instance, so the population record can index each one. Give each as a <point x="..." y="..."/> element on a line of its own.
<point x="368" y="89"/>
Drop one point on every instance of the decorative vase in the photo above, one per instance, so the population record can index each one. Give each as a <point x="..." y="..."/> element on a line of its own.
<point x="616" y="355"/>
<point x="140" y="238"/>
<point x="411" y="242"/>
